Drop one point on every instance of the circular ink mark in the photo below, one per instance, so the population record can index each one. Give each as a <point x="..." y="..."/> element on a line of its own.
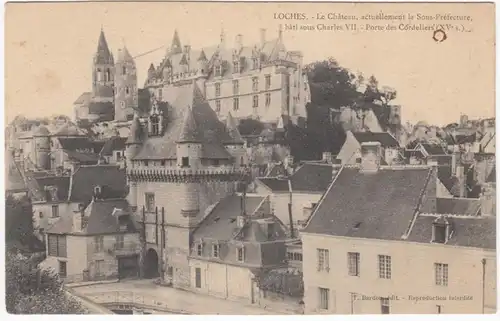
<point x="439" y="35"/>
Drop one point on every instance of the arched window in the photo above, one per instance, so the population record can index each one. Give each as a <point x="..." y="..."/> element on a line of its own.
<point x="127" y="90"/>
<point x="99" y="74"/>
<point x="108" y="74"/>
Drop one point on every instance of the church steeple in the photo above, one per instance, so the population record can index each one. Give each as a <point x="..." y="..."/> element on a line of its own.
<point x="103" y="54"/>
<point x="176" y="46"/>
<point x="103" y="74"/>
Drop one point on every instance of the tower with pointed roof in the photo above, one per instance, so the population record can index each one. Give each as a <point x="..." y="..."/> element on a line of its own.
<point x="41" y="138"/>
<point x="176" y="47"/>
<point x="103" y="73"/>
<point x="185" y="166"/>
<point x="126" y="91"/>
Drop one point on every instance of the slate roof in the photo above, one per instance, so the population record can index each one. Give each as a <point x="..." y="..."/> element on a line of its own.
<point x="112" y="144"/>
<point x="37" y="186"/>
<point x="469" y="232"/>
<point x="385" y="139"/>
<point x="99" y="219"/>
<point x="68" y="130"/>
<point x="111" y="178"/>
<point x="458" y="206"/>
<point x="83" y="158"/>
<point x="377" y="205"/>
<point x="106" y="110"/>
<point x="74" y="143"/>
<point x="103" y="54"/>
<point x="198" y="123"/>
<point x="492" y="178"/>
<point x="434" y="149"/>
<point x="307" y="178"/>
<point x="83" y="99"/>
<point x="221" y="223"/>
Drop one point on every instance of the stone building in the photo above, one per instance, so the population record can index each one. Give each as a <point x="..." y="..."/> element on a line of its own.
<point x="182" y="160"/>
<point x="262" y="81"/>
<point x="402" y="249"/>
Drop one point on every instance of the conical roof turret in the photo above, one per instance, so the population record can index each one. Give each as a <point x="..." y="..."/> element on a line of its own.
<point x="176" y="46"/>
<point x="135" y="136"/>
<point x="189" y="131"/>
<point x="125" y="56"/>
<point x="233" y="131"/>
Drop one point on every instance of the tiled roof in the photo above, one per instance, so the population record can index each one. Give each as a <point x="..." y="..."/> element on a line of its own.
<point x="468" y="232"/>
<point x="83" y="158"/>
<point x="385" y="139"/>
<point x="208" y="129"/>
<point x="111" y="178"/>
<point x="99" y="219"/>
<point x="377" y="205"/>
<point x="220" y="224"/>
<point x="457" y="206"/>
<point x="307" y="178"/>
<point x="112" y="144"/>
<point x="233" y="131"/>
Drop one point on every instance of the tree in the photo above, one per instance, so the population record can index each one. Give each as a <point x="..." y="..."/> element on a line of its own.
<point x="19" y="225"/>
<point x="31" y="290"/>
<point x="249" y="126"/>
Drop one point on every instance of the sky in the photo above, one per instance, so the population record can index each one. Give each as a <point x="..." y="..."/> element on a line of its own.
<point x="49" y="49"/>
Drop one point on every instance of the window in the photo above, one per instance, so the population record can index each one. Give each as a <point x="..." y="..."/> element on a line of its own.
<point x="63" y="272"/>
<point x="255" y="84"/>
<point x="218" y="70"/>
<point x="215" y="250"/>
<point x="236" y="66"/>
<point x="55" y="210"/>
<point x="294" y="256"/>
<point x="198" y="277"/>
<point x="155" y="125"/>
<point x="185" y="162"/>
<point x="124" y="70"/>
<point x="57" y="245"/>
<point x="241" y="254"/>
<point x="120" y="240"/>
<point x="268" y="81"/>
<point x="217" y="106"/>
<point x="236" y="104"/>
<point x="353" y="263"/>
<point x="146" y="163"/>
<point x="384" y="306"/>
<point x="384" y="266"/>
<point x="236" y="87"/>
<point x="441" y="273"/>
<point x="439" y="309"/>
<point x="99" y="267"/>
<point x="162" y="162"/>
<point x="324" y="296"/>
<point x="255" y="101"/>
<point x="199" y="249"/>
<point x="160" y="94"/>
<point x="323" y="260"/>
<point x="217" y="90"/>
<point x="268" y="99"/>
<point x="150" y="201"/>
<point x="108" y="74"/>
<point x="127" y="90"/>
<point x="40" y="214"/>
<point x="255" y="62"/>
<point x="99" y="243"/>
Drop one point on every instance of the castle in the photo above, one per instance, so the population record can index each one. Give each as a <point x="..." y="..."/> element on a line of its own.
<point x="114" y="93"/>
<point x="262" y="81"/>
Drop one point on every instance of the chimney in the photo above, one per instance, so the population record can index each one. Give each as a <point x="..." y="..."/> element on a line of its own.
<point x="327" y="157"/>
<point x="239" y="42"/>
<point x="262" y="36"/>
<point x="487" y="200"/>
<point x="441" y="230"/>
<point x="288" y="164"/>
<point x="371" y="153"/>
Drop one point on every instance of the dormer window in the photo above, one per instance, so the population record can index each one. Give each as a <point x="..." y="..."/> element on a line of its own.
<point x="185" y="162"/>
<point x="97" y="191"/>
<point x="155" y="125"/>
<point x="217" y="89"/>
<point x="199" y="249"/>
<point x="240" y="253"/>
<point x="218" y="70"/>
<point x="124" y="70"/>
<point x="441" y="230"/>
<point x="236" y="66"/>
<point x="216" y="250"/>
<point x="255" y="63"/>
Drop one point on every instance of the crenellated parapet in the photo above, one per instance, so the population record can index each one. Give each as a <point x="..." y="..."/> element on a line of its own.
<point x="186" y="175"/>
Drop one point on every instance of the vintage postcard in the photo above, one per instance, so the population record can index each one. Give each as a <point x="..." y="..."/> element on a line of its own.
<point x="250" y="158"/>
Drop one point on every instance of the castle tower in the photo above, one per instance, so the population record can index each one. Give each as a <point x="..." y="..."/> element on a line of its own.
<point x="126" y="92"/>
<point x="132" y="147"/>
<point x="42" y="148"/>
<point x="103" y="73"/>
<point x="176" y="47"/>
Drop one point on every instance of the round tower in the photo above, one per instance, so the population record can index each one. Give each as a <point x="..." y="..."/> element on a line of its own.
<point x="126" y="92"/>
<point x="134" y="140"/>
<point x="103" y="72"/>
<point x="42" y="147"/>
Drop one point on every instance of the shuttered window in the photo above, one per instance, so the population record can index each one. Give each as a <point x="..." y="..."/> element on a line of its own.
<point x="57" y="245"/>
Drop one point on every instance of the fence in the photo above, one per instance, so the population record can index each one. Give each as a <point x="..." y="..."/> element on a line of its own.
<point x="85" y="277"/>
<point x="128" y="299"/>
